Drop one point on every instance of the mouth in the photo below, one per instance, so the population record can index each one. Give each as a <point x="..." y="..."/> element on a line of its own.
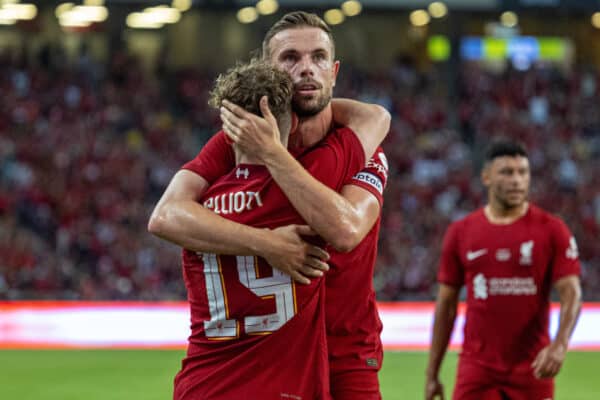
<point x="307" y="89"/>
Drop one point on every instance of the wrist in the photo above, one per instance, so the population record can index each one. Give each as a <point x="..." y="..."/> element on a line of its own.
<point x="431" y="374"/>
<point x="560" y="343"/>
<point x="260" y="246"/>
<point x="273" y="153"/>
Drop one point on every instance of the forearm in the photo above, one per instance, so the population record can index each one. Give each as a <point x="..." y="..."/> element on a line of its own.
<point x="370" y="122"/>
<point x="570" y="306"/>
<point x="347" y="111"/>
<point x="327" y="212"/>
<point x="191" y="226"/>
<point x="445" y="314"/>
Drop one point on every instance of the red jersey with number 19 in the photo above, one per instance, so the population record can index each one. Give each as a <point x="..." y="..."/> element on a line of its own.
<point x="508" y="271"/>
<point x="255" y="333"/>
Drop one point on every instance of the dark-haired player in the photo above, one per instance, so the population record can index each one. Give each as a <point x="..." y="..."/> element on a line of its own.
<point x="509" y="254"/>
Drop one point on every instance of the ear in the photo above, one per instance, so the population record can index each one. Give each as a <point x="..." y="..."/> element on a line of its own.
<point x="336" y="69"/>
<point x="485" y="174"/>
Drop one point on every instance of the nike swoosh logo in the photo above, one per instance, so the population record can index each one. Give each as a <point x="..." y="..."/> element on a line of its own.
<point x="471" y="255"/>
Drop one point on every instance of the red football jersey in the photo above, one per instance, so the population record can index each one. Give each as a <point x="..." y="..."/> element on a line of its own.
<point x="352" y="320"/>
<point x="353" y="323"/>
<point x="251" y="324"/>
<point x="508" y="271"/>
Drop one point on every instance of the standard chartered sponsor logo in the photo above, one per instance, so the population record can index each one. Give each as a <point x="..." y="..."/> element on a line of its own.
<point x="515" y="286"/>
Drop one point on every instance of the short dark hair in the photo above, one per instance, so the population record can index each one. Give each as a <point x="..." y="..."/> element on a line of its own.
<point x="505" y="147"/>
<point x="295" y="20"/>
<point x="246" y="84"/>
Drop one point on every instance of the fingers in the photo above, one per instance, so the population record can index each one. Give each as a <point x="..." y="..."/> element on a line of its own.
<point x="234" y="109"/>
<point x="316" y="264"/>
<point x="299" y="278"/>
<point x="305" y="230"/>
<point x="540" y="363"/>
<point x="231" y="132"/>
<point x="264" y="108"/>
<point x="548" y="369"/>
<point x="227" y="117"/>
<point x="318" y="253"/>
<point x="309" y="271"/>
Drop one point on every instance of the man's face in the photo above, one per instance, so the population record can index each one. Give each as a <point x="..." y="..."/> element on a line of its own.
<point x="507" y="179"/>
<point x="306" y="54"/>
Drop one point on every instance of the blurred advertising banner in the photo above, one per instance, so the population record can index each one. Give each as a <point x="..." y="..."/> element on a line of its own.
<point x="38" y="325"/>
<point x="567" y="4"/>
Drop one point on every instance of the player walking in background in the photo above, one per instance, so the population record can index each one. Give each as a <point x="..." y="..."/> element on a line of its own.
<point x="509" y="254"/>
<point x="301" y="43"/>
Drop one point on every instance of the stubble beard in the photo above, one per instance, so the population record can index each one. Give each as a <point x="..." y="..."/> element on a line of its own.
<point x="508" y="204"/>
<point x="309" y="107"/>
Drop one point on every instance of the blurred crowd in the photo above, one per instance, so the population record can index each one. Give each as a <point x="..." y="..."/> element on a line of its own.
<point x="87" y="149"/>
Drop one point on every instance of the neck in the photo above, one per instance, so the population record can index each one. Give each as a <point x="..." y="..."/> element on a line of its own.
<point x="497" y="214"/>
<point x="242" y="158"/>
<point x="246" y="158"/>
<point x="311" y="130"/>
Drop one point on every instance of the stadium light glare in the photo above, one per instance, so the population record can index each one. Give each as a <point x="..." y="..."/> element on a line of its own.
<point x="164" y="14"/>
<point x="509" y="19"/>
<point x="93" y="2"/>
<point x="5" y="21"/>
<point x="93" y="13"/>
<point x="596" y="20"/>
<point x="142" y="20"/>
<point x="437" y="9"/>
<point x="182" y="5"/>
<point x="267" y="7"/>
<point x="73" y="19"/>
<point x="351" y="8"/>
<point x="419" y="18"/>
<point x="19" y="11"/>
<point x="63" y="8"/>
<point x="247" y="15"/>
<point x="334" y="16"/>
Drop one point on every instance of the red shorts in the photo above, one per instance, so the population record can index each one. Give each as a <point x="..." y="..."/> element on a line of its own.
<point x="355" y="385"/>
<point x="476" y="382"/>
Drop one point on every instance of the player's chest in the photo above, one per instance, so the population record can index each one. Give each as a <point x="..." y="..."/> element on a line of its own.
<point x="504" y="253"/>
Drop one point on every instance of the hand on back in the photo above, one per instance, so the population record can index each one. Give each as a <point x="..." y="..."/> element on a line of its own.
<point x="291" y="254"/>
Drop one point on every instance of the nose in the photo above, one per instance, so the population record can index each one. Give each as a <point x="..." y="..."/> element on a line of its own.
<point x="305" y="67"/>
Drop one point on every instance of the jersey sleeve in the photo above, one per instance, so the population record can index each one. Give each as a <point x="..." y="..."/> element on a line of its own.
<point x="373" y="177"/>
<point x="451" y="271"/>
<point x="336" y="159"/>
<point x="214" y="160"/>
<point x="566" y="255"/>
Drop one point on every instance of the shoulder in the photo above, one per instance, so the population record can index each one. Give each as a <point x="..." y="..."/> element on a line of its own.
<point x="475" y="218"/>
<point x="339" y="135"/>
<point x="542" y="217"/>
<point x="339" y="143"/>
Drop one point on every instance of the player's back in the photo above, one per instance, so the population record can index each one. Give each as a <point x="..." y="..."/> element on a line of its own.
<point x="508" y="271"/>
<point x="255" y="333"/>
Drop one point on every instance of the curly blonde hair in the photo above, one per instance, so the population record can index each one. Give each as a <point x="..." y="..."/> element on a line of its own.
<point x="246" y="84"/>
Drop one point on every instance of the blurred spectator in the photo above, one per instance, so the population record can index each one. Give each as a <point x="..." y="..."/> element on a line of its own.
<point x="86" y="150"/>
